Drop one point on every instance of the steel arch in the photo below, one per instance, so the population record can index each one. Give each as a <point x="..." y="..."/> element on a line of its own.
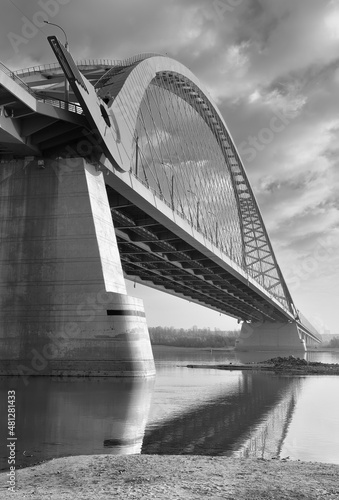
<point x="124" y="87"/>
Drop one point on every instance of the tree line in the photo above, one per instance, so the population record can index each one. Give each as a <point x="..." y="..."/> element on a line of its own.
<point x="192" y="337"/>
<point x="203" y="337"/>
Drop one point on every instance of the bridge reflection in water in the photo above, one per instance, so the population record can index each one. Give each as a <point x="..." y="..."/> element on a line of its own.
<point x="231" y="414"/>
<point x="56" y="417"/>
<point x="252" y="421"/>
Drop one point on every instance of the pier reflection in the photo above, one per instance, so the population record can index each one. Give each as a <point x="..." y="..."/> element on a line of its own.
<point x="251" y="422"/>
<point x="61" y="417"/>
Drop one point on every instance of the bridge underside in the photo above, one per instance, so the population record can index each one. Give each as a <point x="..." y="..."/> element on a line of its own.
<point x="155" y="256"/>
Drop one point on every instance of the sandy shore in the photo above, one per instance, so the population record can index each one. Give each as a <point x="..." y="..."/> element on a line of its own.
<point x="162" y="477"/>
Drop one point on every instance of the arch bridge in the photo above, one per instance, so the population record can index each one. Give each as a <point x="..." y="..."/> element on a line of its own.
<point x="134" y="175"/>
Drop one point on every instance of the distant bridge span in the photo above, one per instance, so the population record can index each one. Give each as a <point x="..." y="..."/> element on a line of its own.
<point x="185" y="219"/>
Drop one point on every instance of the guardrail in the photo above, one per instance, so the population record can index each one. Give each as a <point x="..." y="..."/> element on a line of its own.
<point x="57" y="103"/>
<point x="86" y="62"/>
<point x="14" y="77"/>
<point x="45" y="67"/>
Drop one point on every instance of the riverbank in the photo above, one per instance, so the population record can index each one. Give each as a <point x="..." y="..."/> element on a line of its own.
<point x="102" y="477"/>
<point x="288" y="365"/>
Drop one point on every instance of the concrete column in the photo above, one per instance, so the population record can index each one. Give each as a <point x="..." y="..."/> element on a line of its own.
<point x="270" y="337"/>
<point x="63" y="303"/>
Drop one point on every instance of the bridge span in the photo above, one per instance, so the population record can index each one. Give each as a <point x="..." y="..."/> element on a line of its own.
<point x="135" y="176"/>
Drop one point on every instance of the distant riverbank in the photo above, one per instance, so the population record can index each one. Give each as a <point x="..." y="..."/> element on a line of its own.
<point x="193" y="337"/>
<point x="168" y="347"/>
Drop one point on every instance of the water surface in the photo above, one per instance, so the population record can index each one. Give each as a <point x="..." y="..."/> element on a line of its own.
<point x="181" y="411"/>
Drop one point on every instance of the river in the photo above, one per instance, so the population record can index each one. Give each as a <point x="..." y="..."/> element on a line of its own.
<point x="181" y="411"/>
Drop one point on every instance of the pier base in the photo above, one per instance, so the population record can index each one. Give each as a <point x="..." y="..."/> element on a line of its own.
<point x="64" y="309"/>
<point x="270" y="337"/>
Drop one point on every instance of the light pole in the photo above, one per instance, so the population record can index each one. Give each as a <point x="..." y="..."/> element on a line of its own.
<point x="66" y="47"/>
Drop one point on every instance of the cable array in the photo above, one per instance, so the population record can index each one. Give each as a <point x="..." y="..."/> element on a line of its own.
<point x="183" y="152"/>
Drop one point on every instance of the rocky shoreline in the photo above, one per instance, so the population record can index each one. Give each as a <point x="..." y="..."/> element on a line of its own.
<point x="101" y="477"/>
<point x="288" y="365"/>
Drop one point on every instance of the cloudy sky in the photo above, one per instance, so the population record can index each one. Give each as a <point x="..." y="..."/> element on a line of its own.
<point x="272" y="66"/>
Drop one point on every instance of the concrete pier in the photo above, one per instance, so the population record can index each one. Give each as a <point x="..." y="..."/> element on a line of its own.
<point x="267" y="336"/>
<point x="64" y="309"/>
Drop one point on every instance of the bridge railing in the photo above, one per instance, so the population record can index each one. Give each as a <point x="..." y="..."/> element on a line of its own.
<point x="13" y="75"/>
<point x="45" y="67"/>
<point x="57" y="103"/>
<point x="181" y="214"/>
<point x="85" y="62"/>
